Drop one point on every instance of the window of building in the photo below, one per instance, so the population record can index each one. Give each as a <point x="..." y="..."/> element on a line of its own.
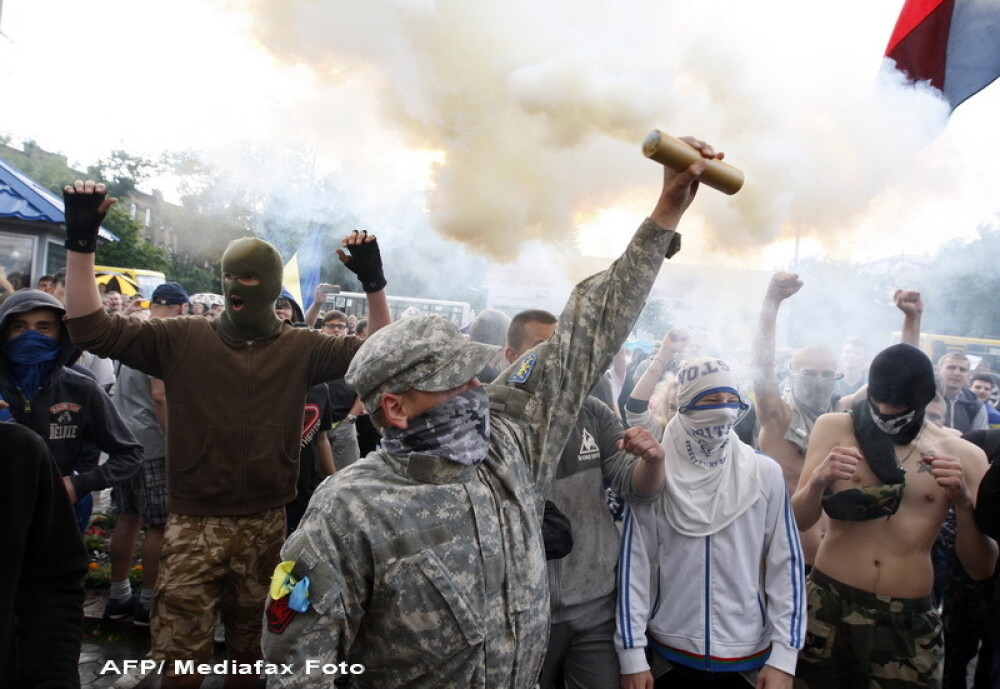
<point x="16" y="253"/>
<point x="55" y="258"/>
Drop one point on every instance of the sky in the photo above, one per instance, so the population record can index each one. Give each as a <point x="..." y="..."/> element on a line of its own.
<point x="505" y="124"/>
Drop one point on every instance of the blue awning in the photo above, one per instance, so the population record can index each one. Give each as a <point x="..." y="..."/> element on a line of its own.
<point x="25" y="199"/>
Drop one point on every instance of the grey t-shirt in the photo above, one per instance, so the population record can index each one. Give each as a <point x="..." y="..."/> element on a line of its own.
<point x="135" y="403"/>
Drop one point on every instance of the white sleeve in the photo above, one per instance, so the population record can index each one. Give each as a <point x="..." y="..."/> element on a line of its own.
<point x="784" y="582"/>
<point x="646" y="420"/>
<point x="634" y="584"/>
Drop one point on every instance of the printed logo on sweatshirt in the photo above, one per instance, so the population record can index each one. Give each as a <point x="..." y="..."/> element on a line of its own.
<point x="589" y="451"/>
<point x="62" y="426"/>
<point x="64" y="406"/>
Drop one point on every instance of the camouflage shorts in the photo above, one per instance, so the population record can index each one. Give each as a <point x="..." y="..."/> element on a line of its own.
<point x="145" y="493"/>
<point x="209" y="564"/>
<point x="858" y="639"/>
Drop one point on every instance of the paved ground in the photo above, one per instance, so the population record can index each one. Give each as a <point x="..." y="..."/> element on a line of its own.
<point x="116" y="641"/>
<point x="110" y="641"/>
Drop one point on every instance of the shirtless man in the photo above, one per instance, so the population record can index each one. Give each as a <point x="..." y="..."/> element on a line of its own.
<point x="785" y="426"/>
<point x="873" y="573"/>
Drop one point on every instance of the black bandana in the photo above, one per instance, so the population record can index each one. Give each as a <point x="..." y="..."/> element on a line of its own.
<point x="903" y="376"/>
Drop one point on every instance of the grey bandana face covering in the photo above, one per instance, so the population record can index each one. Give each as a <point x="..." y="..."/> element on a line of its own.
<point x="813" y="393"/>
<point x="458" y="430"/>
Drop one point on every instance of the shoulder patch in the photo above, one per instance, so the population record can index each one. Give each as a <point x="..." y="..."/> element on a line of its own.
<point x="279" y="615"/>
<point x="524" y="368"/>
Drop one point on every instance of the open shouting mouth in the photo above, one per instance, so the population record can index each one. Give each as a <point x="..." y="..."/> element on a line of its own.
<point x="236" y="302"/>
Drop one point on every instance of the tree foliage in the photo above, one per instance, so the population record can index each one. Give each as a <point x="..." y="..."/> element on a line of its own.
<point x="131" y="250"/>
<point x="51" y="171"/>
<point x="960" y="288"/>
<point x="654" y="319"/>
<point x="122" y="173"/>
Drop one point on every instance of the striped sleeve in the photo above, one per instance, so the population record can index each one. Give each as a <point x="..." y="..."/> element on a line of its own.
<point x="785" y="580"/>
<point x="633" y="595"/>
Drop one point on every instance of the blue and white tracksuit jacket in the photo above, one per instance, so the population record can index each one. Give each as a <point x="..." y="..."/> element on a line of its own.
<point x="728" y="602"/>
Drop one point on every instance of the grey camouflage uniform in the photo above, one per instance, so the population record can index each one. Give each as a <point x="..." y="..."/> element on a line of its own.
<point x="431" y="573"/>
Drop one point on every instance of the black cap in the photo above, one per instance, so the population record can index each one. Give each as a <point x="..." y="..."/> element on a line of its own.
<point x="170" y="293"/>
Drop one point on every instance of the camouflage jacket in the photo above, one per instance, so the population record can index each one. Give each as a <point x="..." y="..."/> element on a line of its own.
<point x="431" y="573"/>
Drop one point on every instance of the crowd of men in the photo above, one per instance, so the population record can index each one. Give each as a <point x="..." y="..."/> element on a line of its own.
<point x="402" y="504"/>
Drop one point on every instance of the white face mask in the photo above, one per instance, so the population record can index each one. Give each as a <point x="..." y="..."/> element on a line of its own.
<point x="708" y="428"/>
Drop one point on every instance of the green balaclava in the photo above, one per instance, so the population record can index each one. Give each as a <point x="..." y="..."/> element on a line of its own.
<point x="249" y="310"/>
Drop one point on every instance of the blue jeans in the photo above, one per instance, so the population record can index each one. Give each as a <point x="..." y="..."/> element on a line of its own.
<point x="84" y="507"/>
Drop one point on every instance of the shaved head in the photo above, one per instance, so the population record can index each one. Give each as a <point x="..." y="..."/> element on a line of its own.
<point x="814" y="357"/>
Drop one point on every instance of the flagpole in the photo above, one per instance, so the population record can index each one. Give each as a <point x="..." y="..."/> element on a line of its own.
<point x="798" y="237"/>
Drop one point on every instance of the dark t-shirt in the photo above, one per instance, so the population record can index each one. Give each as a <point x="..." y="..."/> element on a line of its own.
<point x="342" y="398"/>
<point x="317" y="419"/>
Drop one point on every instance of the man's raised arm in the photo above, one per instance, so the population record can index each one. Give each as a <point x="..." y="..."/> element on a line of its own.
<point x="86" y="204"/>
<point x="909" y="302"/>
<point x="771" y="409"/>
<point x="558" y="374"/>
<point x="365" y="261"/>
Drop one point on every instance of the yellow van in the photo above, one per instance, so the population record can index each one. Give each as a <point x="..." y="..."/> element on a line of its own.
<point x="128" y="281"/>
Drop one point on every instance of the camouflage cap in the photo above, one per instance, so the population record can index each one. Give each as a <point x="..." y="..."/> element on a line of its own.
<point x="426" y="353"/>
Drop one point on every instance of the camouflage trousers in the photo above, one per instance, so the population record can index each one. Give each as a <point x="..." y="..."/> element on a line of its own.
<point x="858" y="640"/>
<point x="210" y="564"/>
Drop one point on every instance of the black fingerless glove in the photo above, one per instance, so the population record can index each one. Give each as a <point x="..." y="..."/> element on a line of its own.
<point x="83" y="221"/>
<point x="557" y="532"/>
<point x="366" y="263"/>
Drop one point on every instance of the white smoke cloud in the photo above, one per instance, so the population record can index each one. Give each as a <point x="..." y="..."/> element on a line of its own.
<point x="524" y="119"/>
<point x="538" y="109"/>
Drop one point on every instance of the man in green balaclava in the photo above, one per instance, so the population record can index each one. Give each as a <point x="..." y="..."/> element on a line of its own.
<point x="235" y="389"/>
<point x="251" y="283"/>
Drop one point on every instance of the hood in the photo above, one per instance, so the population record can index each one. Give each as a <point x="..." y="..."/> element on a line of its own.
<point x="298" y="313"/>
<point x="26" y="300"/>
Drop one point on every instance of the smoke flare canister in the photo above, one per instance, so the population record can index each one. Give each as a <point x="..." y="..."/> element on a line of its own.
<point x="678" y="155"/>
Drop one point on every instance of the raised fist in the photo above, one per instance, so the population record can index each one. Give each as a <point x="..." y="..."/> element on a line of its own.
<point x="85" y="205"/>
<point x="908" y="301"/>
<point x="782" y="286"/>
<point x="365" y="260"/>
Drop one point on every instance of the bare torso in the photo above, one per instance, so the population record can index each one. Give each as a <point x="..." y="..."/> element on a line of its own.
<point x="889" y="555"/>
<point x="772" y="443"/>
